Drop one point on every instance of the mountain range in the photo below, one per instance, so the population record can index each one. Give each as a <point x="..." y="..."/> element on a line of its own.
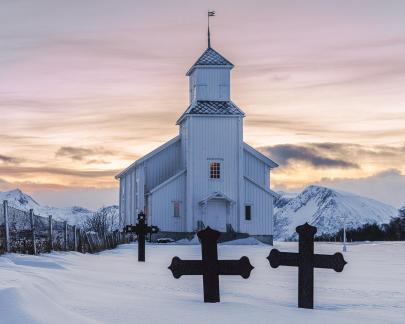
<point x="328" y="210"/>
<point x="325" y="208"/>
<point x="73" y="215"/>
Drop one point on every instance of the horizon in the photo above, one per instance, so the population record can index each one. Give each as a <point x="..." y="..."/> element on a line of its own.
<point x="82" y="96"/>
<point x="280" y="192"/>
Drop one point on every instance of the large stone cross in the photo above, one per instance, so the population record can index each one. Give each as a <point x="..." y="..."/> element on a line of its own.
<point x="141" y="229"/>
<point x="210" y="267"/>
<point x="306" y="261"/>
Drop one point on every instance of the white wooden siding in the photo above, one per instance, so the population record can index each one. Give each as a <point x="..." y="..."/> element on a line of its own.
<point x="210" y="84"/>
<point x="163" y="165"/>
<point x="212" y="138"/>
<point x="255" y="169"/>
<point x="162" y="205"/>
<point x="262" y="210"/>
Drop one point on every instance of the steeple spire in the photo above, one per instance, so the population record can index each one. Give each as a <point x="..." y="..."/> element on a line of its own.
<point x="210" y="14"/>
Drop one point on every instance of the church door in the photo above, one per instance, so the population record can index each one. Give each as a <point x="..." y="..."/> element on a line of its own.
<point x="215" y="216"/>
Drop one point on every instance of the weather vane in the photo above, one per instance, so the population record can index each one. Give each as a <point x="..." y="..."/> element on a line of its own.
<point x="210" y="14"/>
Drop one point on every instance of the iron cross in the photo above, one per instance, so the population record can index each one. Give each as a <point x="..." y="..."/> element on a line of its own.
<point x="306" y="261"/>
<point x="141" y="229"/>
<point x="210" y="267"/>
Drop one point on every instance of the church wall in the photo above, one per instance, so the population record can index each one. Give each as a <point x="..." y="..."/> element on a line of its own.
<point x="162" y="201"/>
<point x="213" y="139"/>
<point x="121" y="203"/>
<point x="255" y="169"/>
<point x="127" y="203"/>
<point x="127" y="197"/>
<point x="163" y="165"/>
<point x="262" y="211"/>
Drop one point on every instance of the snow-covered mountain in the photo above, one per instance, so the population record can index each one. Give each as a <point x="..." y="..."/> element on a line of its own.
<point x="73" y="215"/>
<point x="328" y="209"/>
<point x="283" y="199"/>
<point x="402" y="211"/>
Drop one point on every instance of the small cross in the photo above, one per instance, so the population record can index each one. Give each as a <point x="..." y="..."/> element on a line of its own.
<point x="210" y="267"/>
<point x="306" y="261"/>
<point x="141" y="229"/>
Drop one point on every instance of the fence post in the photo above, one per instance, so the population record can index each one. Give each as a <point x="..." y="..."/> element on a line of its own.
<point x="6" y="225"/>
<point x="32" y="220"/>
<point x="81" y="242"/>
<point x="74" y="238"/>
<point x="65" y="235"/>
<point x="89" y="242"/>
<point x="50" y="234"/>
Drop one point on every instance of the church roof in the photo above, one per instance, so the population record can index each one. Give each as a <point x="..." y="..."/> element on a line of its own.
<point x="212" y="108"/>
<point x="210" y="57"/>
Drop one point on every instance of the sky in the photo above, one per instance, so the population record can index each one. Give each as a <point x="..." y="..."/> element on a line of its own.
<point x="87" y="87"/>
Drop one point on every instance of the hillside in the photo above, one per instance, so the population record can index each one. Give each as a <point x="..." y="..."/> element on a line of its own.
<point x="328" y="209"/>
<point x="73" y="215"/>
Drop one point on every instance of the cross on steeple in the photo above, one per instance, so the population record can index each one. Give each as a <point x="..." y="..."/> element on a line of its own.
<point x="306" y="261"/>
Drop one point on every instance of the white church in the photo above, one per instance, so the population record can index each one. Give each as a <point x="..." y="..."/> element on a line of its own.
<point x="207" y="175"/>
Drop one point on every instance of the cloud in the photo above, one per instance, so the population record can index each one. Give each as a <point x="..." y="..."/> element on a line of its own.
<point x="389" y="173"/>
<point x="329" y="154"/>
<point x="9" y="159"/>
<point x="387" y="186"/>
<point x="80" y="153"/>
<point x="287" y="153"/>
<point x="4" y="185"/>
<point x="378" y="172"/>
<point x="20" y="171"/>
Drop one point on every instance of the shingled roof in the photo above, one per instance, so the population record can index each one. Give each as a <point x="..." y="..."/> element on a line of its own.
<point x="210" y="57"/>
<point x="212" y="108"/>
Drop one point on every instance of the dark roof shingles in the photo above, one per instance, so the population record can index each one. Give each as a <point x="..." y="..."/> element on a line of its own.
<point x="214" y="108"/>
<point x="212" y="57"/>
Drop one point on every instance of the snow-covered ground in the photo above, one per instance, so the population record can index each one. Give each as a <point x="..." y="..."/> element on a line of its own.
<point x="112" y="287"/>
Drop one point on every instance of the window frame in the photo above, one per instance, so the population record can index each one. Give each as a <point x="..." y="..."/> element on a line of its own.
<point x="250" y="211"/>
<point x="178" y="204"/>
<point x="214" y="173"/>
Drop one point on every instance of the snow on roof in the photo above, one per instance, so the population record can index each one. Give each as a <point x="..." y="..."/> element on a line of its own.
<point x="212" y="108"/>
<point x="210" y="57"/>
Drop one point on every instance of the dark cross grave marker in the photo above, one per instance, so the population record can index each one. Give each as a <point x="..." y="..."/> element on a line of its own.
<point x="141" y="230"/>
<point x="306" y="261"/>
<point x="210" y="267"/>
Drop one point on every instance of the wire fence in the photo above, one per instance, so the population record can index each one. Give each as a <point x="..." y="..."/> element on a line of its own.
<point x="28" y="233"/>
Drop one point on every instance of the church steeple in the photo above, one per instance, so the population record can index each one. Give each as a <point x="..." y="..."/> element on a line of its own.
<point x="210" y="74"/>
<point x="209" y="84"/>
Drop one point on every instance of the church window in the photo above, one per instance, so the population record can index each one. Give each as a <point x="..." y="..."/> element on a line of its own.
<point x="215" y="170"/>
<point x="176" y="208"/>
<point x="194" y="92"/>
<point x="248" y="212"/>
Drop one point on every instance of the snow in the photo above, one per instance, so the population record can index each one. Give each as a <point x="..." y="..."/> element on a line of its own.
<point x="244" y="241"/>
<point x="328" y="210"/>
<point x="112" y="287"/>
<point x="185" y="241"/>
<point x="73" y="215"/>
